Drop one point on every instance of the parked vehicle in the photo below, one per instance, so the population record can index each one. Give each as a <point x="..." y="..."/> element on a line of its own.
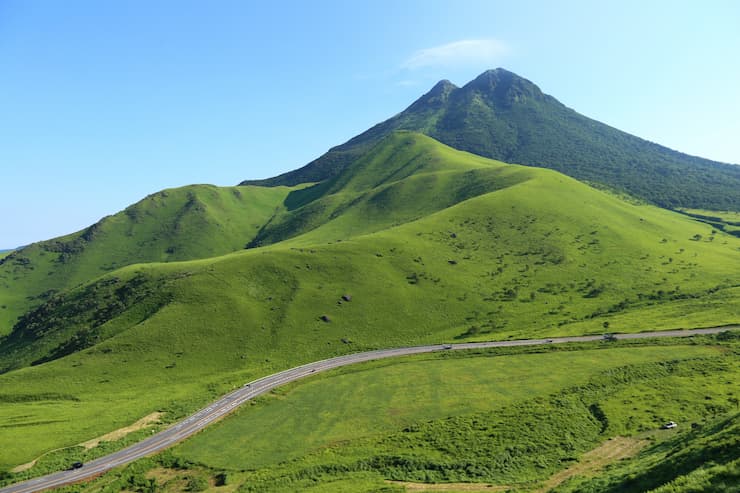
<point x="669" y="425"/>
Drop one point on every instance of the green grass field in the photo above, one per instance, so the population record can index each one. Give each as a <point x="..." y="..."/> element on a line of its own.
<point x="504" y="417"/>
<point x="381" y="398"/>
<point x="518" y="253"/>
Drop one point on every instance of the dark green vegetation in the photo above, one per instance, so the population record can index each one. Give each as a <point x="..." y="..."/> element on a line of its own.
<point x="505" y="417"/>
<point x="187" y="223"/>
<point x="503" y="116"/>
<point x="726" y="221"/>
<point x="414" y="243"/>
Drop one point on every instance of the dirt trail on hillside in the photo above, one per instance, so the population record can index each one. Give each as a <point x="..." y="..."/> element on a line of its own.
<point x="122" y="432"/>
<point x="594" y="460"/>
<point x="26" y="466"/>
<point x="113" y="435"/>
<point x="591" y="462"/>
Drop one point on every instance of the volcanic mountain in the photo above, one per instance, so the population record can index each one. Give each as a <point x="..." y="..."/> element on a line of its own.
<point x="503" y="116"/>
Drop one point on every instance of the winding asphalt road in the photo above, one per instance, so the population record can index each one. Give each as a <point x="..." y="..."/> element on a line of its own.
<point x="196" y="422"/>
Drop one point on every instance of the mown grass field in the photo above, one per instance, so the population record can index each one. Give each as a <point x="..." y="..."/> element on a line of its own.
<point x="510" y="418"/>
<point x="378" y="399"/>
<point x="529" y="253"/>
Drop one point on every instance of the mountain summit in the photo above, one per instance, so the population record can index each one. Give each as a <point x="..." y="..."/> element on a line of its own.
<point x="504" y="87"/>
<point x="504" y="116"/>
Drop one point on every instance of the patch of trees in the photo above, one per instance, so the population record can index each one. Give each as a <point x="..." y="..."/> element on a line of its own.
<point x="74" y="318"/>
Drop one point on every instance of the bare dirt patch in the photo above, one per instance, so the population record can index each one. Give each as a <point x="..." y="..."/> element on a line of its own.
<point x="147" y="420"/>
<point x="113" y="435"/>
<point x="24" y="467"/>
<point x="594" y="460"/>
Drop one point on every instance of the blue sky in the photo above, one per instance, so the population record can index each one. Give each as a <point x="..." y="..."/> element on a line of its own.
<point x="106" y="102"/>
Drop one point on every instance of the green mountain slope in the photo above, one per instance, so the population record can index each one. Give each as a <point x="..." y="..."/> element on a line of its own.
<point x="503" y="116"/>
<point x="404" y="177"/>
<point x="192" y="222"/>
<point x="534" y="253"/>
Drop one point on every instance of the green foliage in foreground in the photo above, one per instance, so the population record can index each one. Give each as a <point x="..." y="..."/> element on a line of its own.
<point x="511" y="429"/>
<point x="704" y="459"/>
<point x="538" y="255"/>
<point x="518" y="440"/>
<point x="380" y="398"/>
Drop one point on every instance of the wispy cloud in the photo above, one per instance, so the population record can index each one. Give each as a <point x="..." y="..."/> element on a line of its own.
<point x="458" y="53"/>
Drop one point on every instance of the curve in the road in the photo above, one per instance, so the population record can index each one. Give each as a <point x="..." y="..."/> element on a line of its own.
<point x="217" y="410"/>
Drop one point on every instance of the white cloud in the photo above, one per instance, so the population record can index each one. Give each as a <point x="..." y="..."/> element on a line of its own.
<point x="458" y="53"/>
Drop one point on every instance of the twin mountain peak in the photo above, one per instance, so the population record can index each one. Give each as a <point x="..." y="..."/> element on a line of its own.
<point x="503" y="116"/>
<point x="500" y="85"/>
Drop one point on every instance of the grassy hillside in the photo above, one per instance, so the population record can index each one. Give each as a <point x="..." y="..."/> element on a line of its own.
<point x="403" y="178"/>
<point x="727" y="221"/>
<point x="528" y="253"/>
<point x="503" y="116"/>
<point x="192" y="222"/>
<point x="704" y="459"/>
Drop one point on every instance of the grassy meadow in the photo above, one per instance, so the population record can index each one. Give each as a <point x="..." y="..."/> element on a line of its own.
<point x="380" y="398"/>
<point x="515" y="253"/>
<point x="508" y="418"/>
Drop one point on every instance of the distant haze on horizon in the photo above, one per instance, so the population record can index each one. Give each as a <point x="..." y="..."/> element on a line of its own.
<point x="110" y="102"/>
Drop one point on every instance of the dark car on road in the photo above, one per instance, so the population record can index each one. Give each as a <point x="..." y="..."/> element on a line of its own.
<point x="76" y="465"/>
